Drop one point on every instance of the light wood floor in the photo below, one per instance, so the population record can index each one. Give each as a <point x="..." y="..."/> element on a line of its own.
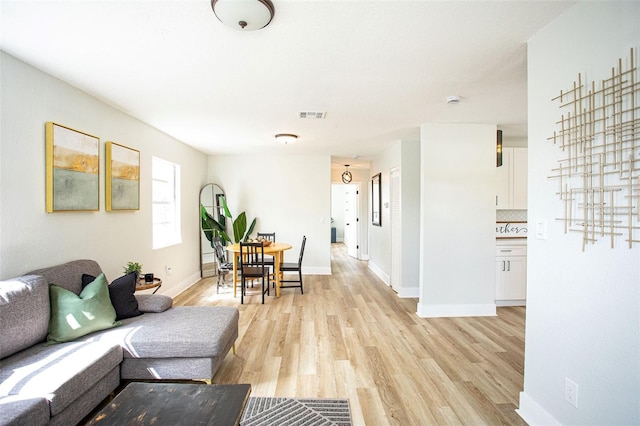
<point x="350" y="336"/>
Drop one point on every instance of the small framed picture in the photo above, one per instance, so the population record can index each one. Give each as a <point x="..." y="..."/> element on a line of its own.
<point x="123" y="177"/>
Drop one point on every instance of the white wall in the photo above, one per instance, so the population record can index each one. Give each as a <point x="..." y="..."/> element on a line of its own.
<point x="292" y="198"/>
<point x="30" y="238"/>
<point x="380" y="236"/>
<point x="404" y="155"/>
<point x="337" y="209"/>
<point x="410" y="199"/>
<point x="583" y="308"/>
<point x="457" y="257"/>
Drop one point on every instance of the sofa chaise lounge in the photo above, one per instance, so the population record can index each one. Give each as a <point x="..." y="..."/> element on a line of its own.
<point x="61" y="383"/>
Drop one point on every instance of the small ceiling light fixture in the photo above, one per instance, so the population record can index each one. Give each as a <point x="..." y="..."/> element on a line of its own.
<point x="452" y="100"/>
<point x="244" y="15"/>
<point x="286" y="138"/>
<point x="346" y="175"/>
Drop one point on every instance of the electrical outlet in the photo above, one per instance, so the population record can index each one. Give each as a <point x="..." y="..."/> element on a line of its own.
<point x="168" y="270"/>
<point x="571" y="391"/>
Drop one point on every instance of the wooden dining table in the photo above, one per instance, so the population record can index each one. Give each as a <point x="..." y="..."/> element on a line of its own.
<point x="274" y="249"/>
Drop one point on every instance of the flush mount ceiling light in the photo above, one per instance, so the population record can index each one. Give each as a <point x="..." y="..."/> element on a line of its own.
<point x="286" y="138"/>
<point x="244" y="15"/>
<point x="346" y="175"/>
<point x="452" y="99"/>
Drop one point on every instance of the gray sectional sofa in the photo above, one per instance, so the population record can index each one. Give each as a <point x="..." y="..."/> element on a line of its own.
<point x="61" y="383"/>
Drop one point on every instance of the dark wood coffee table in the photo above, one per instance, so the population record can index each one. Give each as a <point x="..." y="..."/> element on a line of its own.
<point x="172" y="404"/>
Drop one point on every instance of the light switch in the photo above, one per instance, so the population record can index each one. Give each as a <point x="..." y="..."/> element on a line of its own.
<point x="541" y="230"/>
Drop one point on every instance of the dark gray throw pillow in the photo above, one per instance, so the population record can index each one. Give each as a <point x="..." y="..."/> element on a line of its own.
<point x="121" y="293"/>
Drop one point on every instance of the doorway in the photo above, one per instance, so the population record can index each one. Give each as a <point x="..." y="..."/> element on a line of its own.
<point x="345" y="200"/>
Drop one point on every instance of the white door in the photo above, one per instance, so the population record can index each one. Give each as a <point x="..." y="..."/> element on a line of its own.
<point x="351" y="219"/>
<point x="396" y="230"/>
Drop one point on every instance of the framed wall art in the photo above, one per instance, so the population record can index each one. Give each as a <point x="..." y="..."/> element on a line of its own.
<point x="72" y="169"/>
<point x="376" y="203"/>
<point x="122" y="177"/>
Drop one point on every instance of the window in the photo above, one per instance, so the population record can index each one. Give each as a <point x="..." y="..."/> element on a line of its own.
<point x="166" y="203"/>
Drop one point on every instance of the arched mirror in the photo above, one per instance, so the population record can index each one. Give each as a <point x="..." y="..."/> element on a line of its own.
<point x="211" y="203"/>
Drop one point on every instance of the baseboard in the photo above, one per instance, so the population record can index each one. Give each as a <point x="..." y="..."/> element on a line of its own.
<point x="175" y="290"/>
<point x="442" y="311"/>
<point x="534" y="414"/>
<point x="408" y="293"/>
<point x="511" y="303"/>
<point x="379" y="273"/>
<point x="316" y="270"/>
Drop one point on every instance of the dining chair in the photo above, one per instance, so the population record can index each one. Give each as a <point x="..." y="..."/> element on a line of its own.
<point x="294" y="267"/>
<point x="271" y="236"/>
<point x="224" y="267"/>
<point x="269" y="260"/>
<point x="252" y="267"/>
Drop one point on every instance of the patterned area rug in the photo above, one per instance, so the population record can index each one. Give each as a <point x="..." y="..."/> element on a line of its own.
<point x="261" y="411"/>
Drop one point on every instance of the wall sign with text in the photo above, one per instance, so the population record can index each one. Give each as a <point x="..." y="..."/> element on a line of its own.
<point x="511" y="229"/>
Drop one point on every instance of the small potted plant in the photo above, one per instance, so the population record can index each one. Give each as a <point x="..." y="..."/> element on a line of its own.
<point x="133" y="267"/>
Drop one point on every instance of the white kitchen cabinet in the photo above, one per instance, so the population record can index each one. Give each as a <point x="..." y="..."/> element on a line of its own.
<point x="511" y="189"/>
<point x="511" y="275"/>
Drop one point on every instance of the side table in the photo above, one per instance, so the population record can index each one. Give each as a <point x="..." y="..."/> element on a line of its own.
<point x="143" y="285"/>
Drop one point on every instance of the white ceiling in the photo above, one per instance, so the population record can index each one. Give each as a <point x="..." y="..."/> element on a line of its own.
<point x="378" y="68"/>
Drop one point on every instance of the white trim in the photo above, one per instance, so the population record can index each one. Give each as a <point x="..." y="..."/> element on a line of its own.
<point x="440" y="311"/>
<point x="534" y="414"/>
<point x="408" y="293"/>
<point x="316" y="270"/>
<point x="379" y="273"/>
<point x="175" y="290"/>
<point x="511" y="302"/>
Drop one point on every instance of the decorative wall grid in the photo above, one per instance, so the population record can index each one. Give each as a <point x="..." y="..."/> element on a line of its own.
<point x="599" y="176"/>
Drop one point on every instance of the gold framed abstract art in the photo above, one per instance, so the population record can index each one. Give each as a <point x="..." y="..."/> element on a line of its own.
<point x="123" y="177"/>
<point x="72" y="169"/>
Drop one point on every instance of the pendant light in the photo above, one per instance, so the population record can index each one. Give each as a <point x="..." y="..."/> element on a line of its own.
<point x="346" y="175"/>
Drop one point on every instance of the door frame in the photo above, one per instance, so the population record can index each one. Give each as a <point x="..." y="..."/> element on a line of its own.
<point x="358" y="200"/>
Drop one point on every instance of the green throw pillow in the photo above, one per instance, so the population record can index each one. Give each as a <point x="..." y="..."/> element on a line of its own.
<point x="73" y="316"/>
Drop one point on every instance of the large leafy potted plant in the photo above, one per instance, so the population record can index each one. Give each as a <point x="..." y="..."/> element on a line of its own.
<point x="213" y="228"/>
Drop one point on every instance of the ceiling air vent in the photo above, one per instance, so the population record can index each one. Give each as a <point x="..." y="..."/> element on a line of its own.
<point x="312" y="114"/>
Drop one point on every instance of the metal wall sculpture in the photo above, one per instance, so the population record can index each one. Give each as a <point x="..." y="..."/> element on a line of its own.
<point x="599" y="174"/>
